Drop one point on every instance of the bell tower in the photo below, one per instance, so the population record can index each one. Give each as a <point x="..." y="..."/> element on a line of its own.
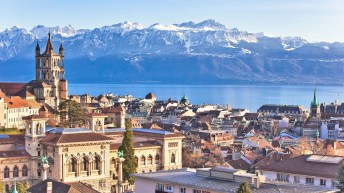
<point x="315" y="107"/>
<point x="50" y="74"/>
<point x="34" y="132"/>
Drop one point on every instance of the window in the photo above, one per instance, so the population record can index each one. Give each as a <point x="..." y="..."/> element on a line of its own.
<point x="84" y="164"/>
<point x="150" y="160"/>
<point x="96" y="163"/>
<point x="137" y="160"/>
<point x="168" y="188"/>
<point x="173" y="158"/>
<point x="182" y="190"/>
<point x="143" y="160"/>
<point x="296" y="179"/>
<point x="197" y="191"/>
<point x="309" y="180"/>
<point x="159" y="187"/>
<point x="15" y="172"/>
<point x="72" y="165"/>
<point x="6" y="172"/>
<point x="157" y="159"/>
<point x="7" y="188"/>
<point x="282" y="177"/>
<point x="322" y="182"/>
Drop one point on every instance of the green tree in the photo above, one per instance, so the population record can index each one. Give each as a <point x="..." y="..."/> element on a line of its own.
<point x="21" y="188"/>
<point x="340" y="178"/>
<point x="244" y="188"/>
<point x="71" y="113"/>
<point x="2" y="187"/>
<point x="129" y="165"/>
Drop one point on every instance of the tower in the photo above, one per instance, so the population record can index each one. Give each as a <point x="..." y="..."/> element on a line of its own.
<point x="50" y="85"/>
<point x="315" y="107"/>
<point x="34" y="133"/>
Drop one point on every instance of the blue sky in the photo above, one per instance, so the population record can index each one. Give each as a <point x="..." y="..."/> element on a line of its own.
<point x="314" y="20"/>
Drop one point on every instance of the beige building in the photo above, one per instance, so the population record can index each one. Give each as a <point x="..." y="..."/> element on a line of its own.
<point x="13" y="109"/>
<point x="115" y="115"/>
<point x="87" y="156"/>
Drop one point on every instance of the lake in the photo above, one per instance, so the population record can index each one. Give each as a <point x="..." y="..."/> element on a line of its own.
<point x="237" y="96"/>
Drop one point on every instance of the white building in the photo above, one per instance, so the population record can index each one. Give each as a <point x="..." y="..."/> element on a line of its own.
<point x="313" y="170"/>
<point x="215" y="180"/>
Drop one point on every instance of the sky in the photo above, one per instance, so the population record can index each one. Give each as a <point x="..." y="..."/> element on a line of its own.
<point x="314" y="20"/>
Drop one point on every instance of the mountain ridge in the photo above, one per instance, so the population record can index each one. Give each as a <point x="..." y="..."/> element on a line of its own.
<point x="212" y="52"/>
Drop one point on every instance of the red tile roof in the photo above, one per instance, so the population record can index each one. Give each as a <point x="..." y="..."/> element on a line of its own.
<point x="62" y="138"/>
<point x="14" y="154"/>
<point x="10" y="88"/>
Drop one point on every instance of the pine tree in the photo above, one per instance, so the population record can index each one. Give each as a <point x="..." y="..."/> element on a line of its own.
<point x="244" y="188"/>
<point x="129" y="165"/>
<point x="71" y="113"/>
<point x="340" y="178"/>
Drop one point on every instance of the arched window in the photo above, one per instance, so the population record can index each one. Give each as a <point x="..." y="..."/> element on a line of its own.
<point x="173" y="158"/>
<point x="113" y="163"/>
<point x="143" y="160"/>
<point x="96" y="163"/>
<point x="150" y="160"/>
<point x="6" y="172"/>
<point x="84" y="164"/>
<point x="137" y="160"/>
<point x="157" y="159"/>
<point x="15" y="172"/>
<point x="24" y="171"/>
<point x="72" y="165"/>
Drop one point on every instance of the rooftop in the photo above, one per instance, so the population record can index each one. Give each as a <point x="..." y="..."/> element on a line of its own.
<point x="189" y="178"/>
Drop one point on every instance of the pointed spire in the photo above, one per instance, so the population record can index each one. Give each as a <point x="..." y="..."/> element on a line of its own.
<point x="61" y="46"/>
<point x="49" y="50"/>
<point x="37" y="46"/>
<point x="315" y="100"/>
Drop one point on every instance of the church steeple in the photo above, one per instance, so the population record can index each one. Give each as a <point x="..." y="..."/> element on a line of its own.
<point x="38" y="49"/>
<point x="61" y="50"/>
<point x="315" y="107"/>
<point x="315" y="102"/>
<point x="49" y="50"/>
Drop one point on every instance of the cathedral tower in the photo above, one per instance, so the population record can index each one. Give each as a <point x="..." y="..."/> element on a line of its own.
<point x="50" y="85"/>
<point x="315" y="107"/>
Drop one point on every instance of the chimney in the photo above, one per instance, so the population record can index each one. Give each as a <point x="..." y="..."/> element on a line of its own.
<point x="49" y="187"/>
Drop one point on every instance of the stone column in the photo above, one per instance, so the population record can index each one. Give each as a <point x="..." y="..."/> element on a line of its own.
<point x="44" y="173"/>
<point x="120" y="175"/>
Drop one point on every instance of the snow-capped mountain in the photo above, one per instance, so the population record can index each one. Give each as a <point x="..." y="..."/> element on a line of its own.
<point x="210" y="49"/>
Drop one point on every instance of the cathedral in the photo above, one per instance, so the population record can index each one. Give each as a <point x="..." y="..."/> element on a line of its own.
<point x="49" y="86"/>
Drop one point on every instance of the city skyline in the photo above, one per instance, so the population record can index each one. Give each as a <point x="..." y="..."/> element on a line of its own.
<point x="318" y="21"/>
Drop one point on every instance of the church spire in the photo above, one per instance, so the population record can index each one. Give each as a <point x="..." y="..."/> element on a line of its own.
<point x="315" y="100"/>
<point x="38" y="49"/>
<point x="49" y="50"/>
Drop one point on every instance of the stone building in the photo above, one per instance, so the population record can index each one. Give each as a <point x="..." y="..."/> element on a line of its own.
<point x="50" y="85"/>
<point x="83" y="155"/>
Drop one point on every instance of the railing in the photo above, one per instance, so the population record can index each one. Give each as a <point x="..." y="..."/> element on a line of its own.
<point x="95" y="172"/>
<point x="71" y="174"/>
<point x="83" y="173"/>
